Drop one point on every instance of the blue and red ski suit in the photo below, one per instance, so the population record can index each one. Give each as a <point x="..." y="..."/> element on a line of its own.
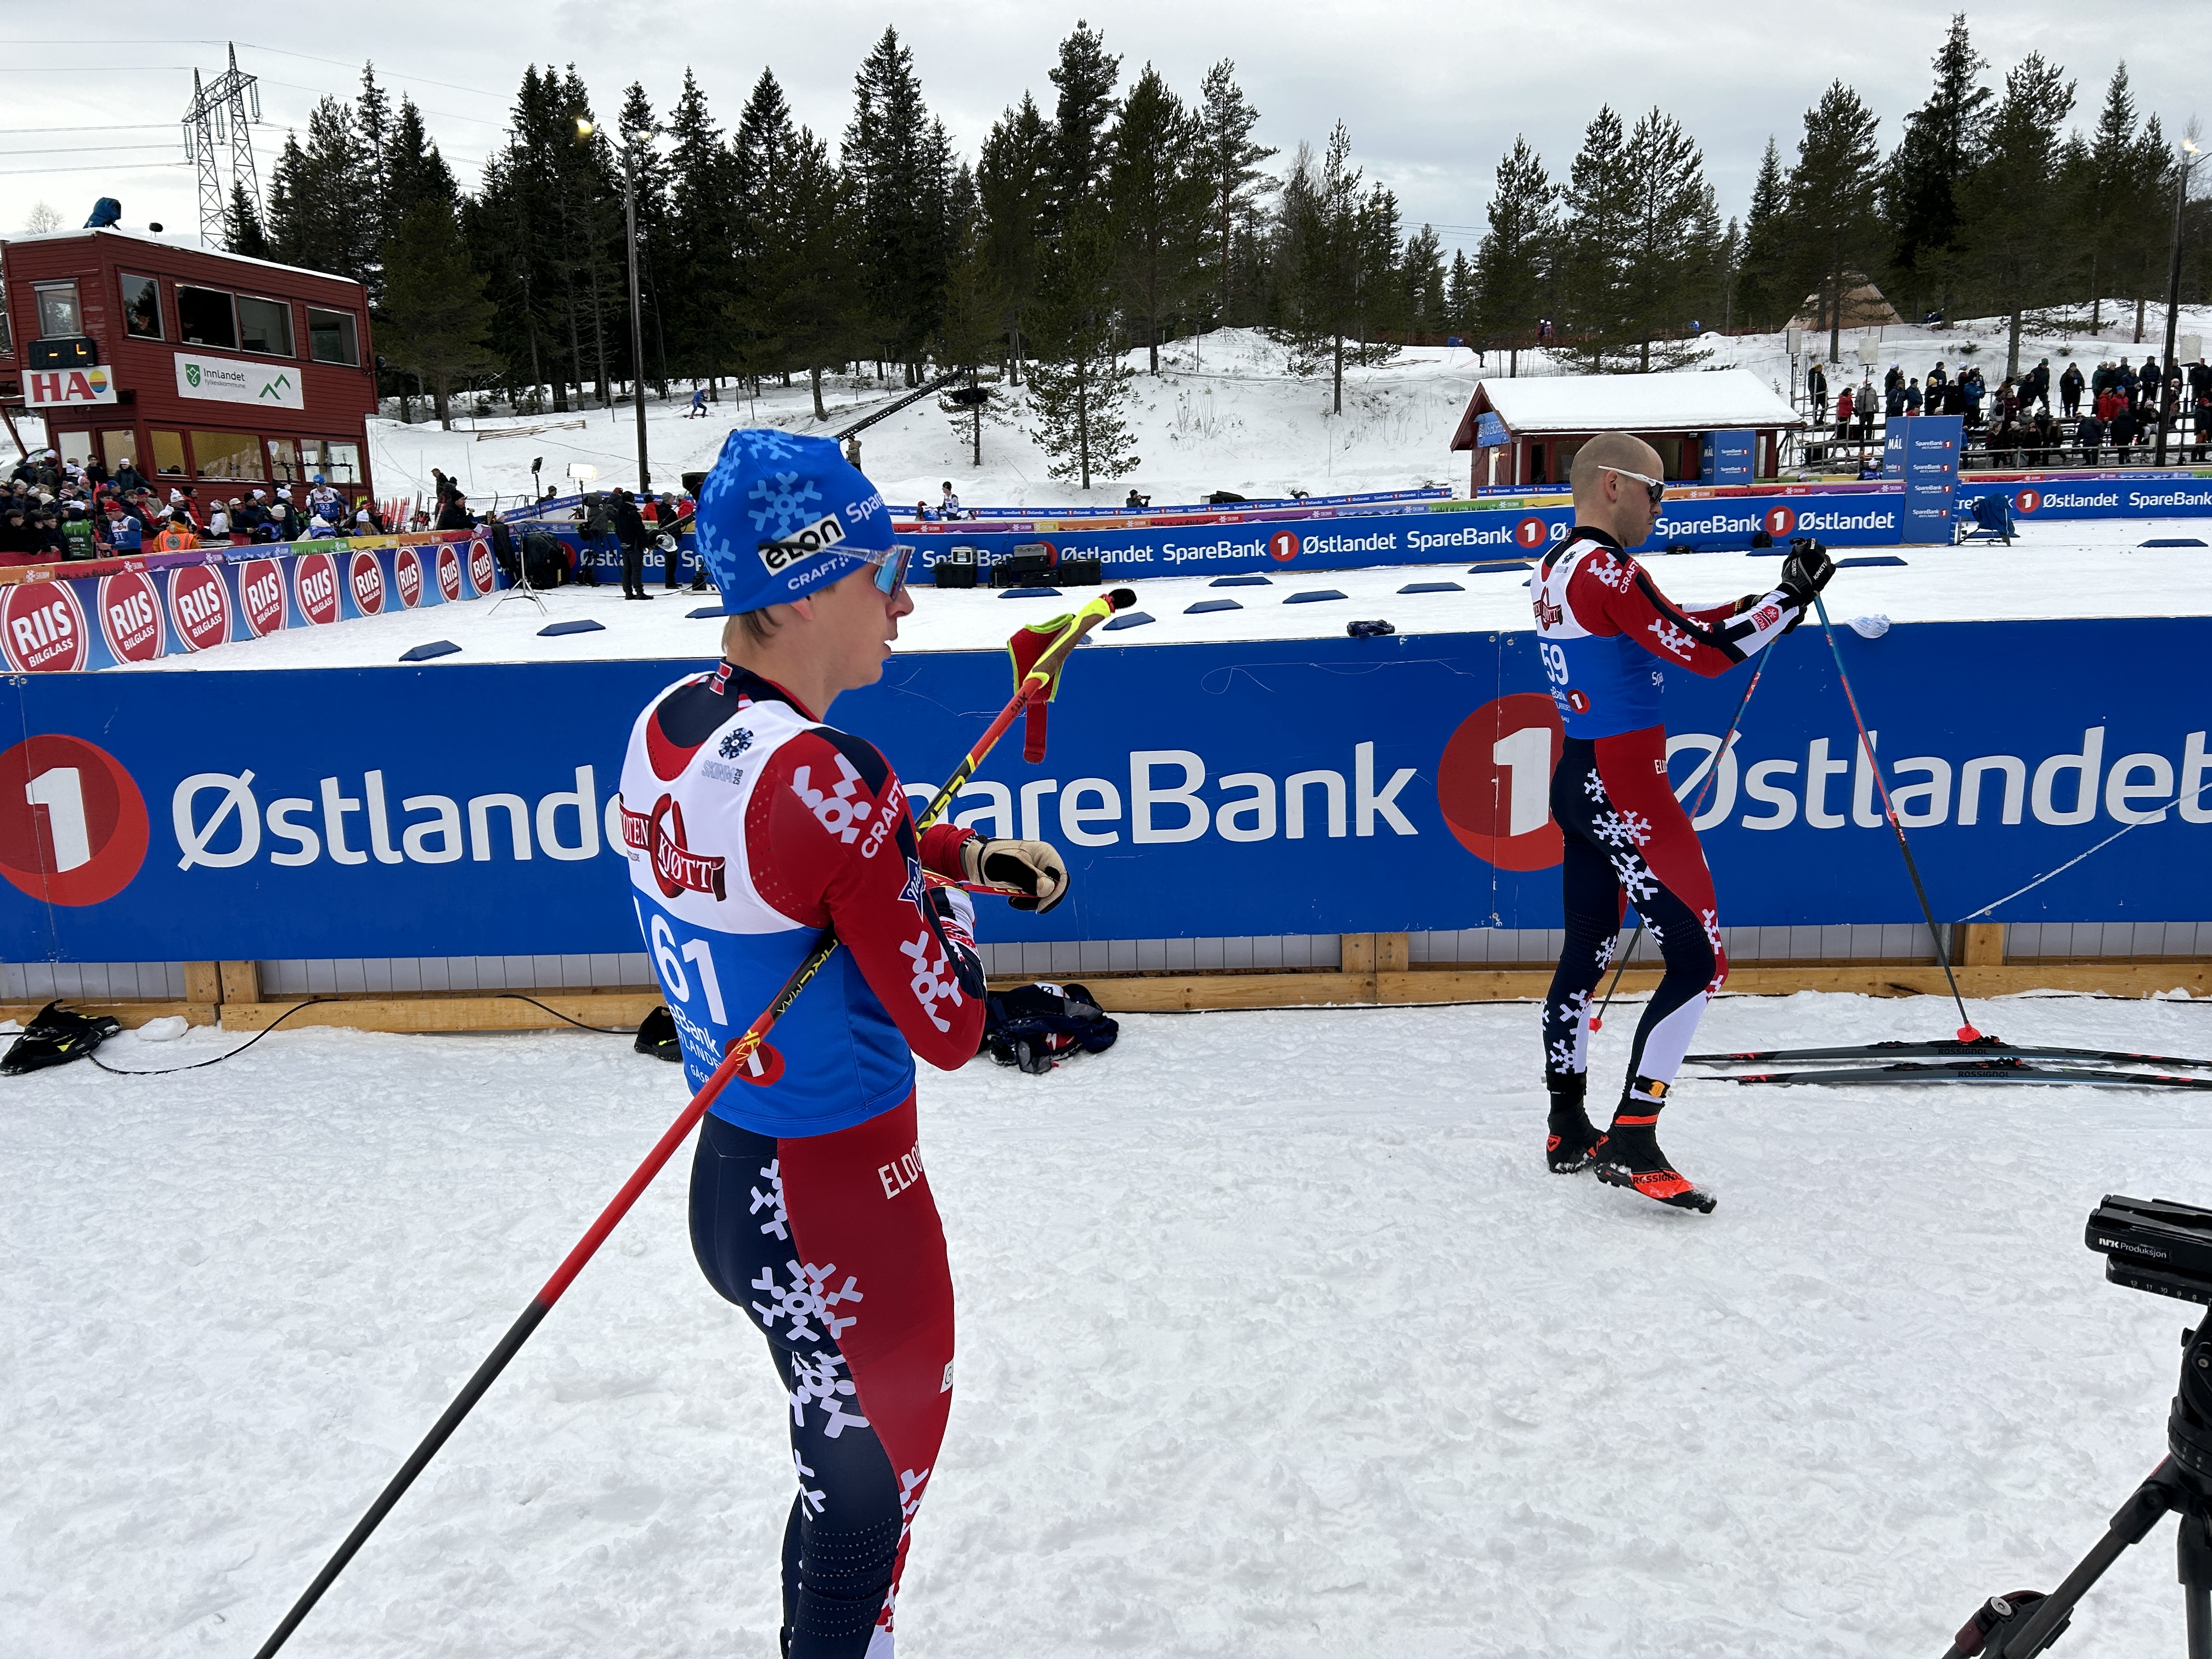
<point x="1605" y="633"/>
<point x="749" y="826"/>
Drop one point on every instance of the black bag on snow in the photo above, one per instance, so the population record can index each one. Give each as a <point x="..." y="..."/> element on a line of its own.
<point x="1032" y="1026"/>
<point x="56" y="1036"/>
<point x="656" y="1036"/>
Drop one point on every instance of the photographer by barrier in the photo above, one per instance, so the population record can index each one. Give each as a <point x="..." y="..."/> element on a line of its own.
<point x="354" y="813"/>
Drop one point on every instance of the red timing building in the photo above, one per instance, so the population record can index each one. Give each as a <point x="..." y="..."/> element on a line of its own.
<point x="205" y="369"/>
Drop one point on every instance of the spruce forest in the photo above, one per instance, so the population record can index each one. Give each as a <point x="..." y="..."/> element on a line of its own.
<point x="1107" y="212"/>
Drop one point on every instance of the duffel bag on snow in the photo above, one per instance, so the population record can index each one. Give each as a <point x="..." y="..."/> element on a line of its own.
<point x="1032" y="1026"/>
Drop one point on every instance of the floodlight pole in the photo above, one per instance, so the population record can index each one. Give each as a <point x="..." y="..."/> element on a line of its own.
<point x="636" y="312"/>
<point x="2167" y="399"/>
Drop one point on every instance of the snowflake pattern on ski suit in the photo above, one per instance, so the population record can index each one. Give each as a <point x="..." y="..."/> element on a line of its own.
<point x="817" y="1380"/>
<point x="802" y="1301"/>
<point x="778" y="1221"/>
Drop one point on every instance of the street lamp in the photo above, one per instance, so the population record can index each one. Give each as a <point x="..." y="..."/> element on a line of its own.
<point x="2167" y="399"/>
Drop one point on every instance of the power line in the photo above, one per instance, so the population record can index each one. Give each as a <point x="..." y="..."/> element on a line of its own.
<point x="126" y="126"/>
<point x="253" y="45"/>
<point x="78" y="150"/>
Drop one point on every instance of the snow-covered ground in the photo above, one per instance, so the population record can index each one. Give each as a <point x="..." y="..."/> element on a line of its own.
<point x="1225" y="413"/>
<point x="2040" y="576"/>
<point x="1276" y="1339"/>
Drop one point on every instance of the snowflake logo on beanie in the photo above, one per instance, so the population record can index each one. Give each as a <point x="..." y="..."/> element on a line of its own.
<point x="783" y="510"/>
<point x="770" y="444"/>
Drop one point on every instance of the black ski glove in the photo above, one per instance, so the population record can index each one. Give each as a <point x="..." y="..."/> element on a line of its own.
<point x="1804" y="573"/>
<point x="1031" y="865"/>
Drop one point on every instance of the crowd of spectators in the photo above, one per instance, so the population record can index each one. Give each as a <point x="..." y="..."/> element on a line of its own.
<point x="56" y="509"/>
<point x="2110" y="416"/>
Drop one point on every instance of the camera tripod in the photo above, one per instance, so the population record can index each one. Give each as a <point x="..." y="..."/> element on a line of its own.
<point x="2025" y="1623"/>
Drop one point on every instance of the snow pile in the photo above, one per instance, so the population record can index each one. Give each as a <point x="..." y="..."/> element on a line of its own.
<point x="1275" y="1339"/>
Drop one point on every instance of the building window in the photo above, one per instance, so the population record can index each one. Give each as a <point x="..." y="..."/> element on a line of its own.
<point x="169" y="453"/>
<point x="117" y="445"/>
<point x="333" y="338"/>
<point x="141" y="307"/>
<point x="58" y="316"/>
<point x="74" y="447"/>
<point x="204" y="317"/>
<point x="339" y="463"/>
<point x="228" y="454"/>
<point x="7" y="333"/>
<point x="284" y="460"/>
<point x="265" y="325"/>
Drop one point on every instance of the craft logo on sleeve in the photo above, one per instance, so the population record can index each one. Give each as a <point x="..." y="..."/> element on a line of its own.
<point x="1494" y="782"/>
<point x="482" y="571"/>
<point x="366" y="576"/>
<point x="131" y="617"/>
<point x="199" y="606"/>
<point x="261" y="596"/>
<point x="449" y="571"/>
<point x="315" y="586"/>
<point x="73" y="825"/>
<point x="407" y="577"/>
<point x="42" y="627"/>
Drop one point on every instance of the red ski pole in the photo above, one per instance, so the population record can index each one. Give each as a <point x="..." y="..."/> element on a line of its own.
<point x="742" y="1055"/>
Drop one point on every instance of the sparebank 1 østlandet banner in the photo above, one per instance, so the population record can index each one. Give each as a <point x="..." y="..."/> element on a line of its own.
<point x="1319" y="786"/>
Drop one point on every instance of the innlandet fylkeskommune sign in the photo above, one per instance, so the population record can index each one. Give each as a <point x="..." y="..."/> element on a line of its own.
<point x="229" y="380"/>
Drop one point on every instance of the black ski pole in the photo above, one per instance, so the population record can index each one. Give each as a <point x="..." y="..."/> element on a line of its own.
<point x="1967" y="1031"/>
<point x="1597" y="1019"/>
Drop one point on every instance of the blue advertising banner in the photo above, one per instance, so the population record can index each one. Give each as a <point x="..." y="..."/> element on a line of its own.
<point x="2122" y="494"/>
<point x="1316" y="786"/>
<point x="1926" y="448"/>
<point x="1725" y="458"/>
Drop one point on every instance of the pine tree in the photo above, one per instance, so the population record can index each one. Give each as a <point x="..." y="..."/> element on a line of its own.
<point x="1594" y="237"/>
<point x="1156" y="204"/>
<point x="813" y="296"/>
<point x="1013" y="185"/>
<point x="1921" y="183"/>
<point x="973" y="332"/>
<point x="698" y="271"/>
<point x="899" y="164"/>
<point x="1424" y="304"/>
<point x="1078" y="387"/>
<point x="638" y="126"/>
<point x="1461" y="291"/>
<point x="1084" y="76"/>
<point x="321" y="206"/>
<point x="1834" y="193"/>
<point x="1766" y="295"/>
<point x="2004" y="203"/>
<point x="372" y="113"/>
<point x="1327" y="261"/>
<point x="1673" y="235"/>
<point x="241" y="226"/>
<point x="436" y="317"/>
<point x="1379" y="287"/>
<point x="1514" y="260"/>
<point x="1228" y="158"/>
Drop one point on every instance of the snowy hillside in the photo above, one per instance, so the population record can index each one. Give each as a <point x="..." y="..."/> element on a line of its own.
<point x="1225" y="413"/>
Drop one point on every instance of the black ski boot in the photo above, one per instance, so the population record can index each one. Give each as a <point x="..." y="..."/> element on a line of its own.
<point x="1631" y="1156"/>
<point x="1571" y="1140"/>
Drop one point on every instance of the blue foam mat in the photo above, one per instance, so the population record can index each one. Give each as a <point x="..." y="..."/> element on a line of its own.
<point x="1028" y="593"/>
<point x="1127" y="619"/>
<point x="1314" y="596"/>
<point x="1432" y="588"/>
<point x="1241" y="581"/>
<point x="574" y="625"/>
<point x="1865" y="559"/>
<point x="424" y="653"/>
<point x="1205" y="606"/>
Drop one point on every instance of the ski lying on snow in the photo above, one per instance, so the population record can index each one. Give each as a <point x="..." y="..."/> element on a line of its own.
<point x="1977" y="1071"/>
<point x="1947" y="1048"/>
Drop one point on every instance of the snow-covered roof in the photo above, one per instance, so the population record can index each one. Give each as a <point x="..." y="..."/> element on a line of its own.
<point x="1686" y="400"/>
<point x="188" y="243"/>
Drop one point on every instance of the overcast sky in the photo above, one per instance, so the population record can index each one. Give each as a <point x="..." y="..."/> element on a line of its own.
<point x="1432" y="92"/>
